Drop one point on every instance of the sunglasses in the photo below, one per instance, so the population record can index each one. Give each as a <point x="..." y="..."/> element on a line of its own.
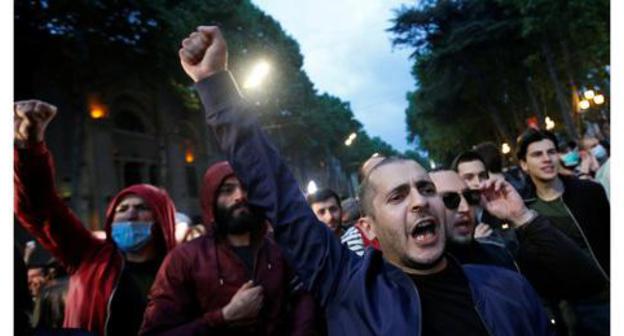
<point x="452" y="199"/>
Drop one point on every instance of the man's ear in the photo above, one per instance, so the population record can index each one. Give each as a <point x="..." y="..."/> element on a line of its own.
<point x="523" y="165"/>
<point x="367" y="225"/>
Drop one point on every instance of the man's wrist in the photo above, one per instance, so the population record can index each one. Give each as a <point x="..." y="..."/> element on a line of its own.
<point x="525" y="217"/>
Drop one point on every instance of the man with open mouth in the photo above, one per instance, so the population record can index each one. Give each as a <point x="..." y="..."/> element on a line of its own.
<point x="411" y="288"/>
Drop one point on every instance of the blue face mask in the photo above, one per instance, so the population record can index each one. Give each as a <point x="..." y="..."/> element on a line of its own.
<point x="599" y="152"/>
<point x="131" y="236"/>
<point x="571" y="159"/>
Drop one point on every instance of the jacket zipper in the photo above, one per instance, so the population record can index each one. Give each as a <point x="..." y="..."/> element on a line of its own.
<point x="487" y="329"/>
<point x="591" y="251"/>
<point x="419" y="308"/>
<point x="110" y="299"/>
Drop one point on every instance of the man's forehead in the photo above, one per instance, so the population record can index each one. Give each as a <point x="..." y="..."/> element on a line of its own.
<point x="232" y="180"/>
<point x="132" y="199"/>
<point x="474" y="166"/>
<point x="544" y="144"/>
<point x="391" y="175"/>
<point x="448" y="180"/>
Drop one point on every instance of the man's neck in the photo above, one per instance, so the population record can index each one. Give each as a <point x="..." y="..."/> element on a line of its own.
<point x="549" y="190"/>
<point x="438" y="267"/>
<point x="239" y="240"/>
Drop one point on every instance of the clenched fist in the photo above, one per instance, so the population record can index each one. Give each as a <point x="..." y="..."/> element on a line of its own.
<point x="203" y="53"/>
<point x="30" y="118"/>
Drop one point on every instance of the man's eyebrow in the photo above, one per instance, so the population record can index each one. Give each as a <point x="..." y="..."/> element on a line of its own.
<point x="400" y="187"/>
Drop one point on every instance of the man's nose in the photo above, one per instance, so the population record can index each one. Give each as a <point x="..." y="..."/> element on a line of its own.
<point x="463" y="205"/>
<point x="240" y="195"/>
<point x="417" y="201"/>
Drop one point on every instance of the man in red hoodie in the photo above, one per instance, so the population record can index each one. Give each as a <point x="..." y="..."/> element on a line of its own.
<point x="231" y="281"/>
<point x="109" y="279"/>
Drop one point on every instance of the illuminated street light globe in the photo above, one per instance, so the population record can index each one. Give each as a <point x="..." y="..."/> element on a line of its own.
<point x="505" y="149"/>
<point x="584" y="104"/>
<point x="589" y="94"/>
<point x="599" y="99"/>
<point x="550" y="124"/>
<point x="258" y="74"/>
<point x="312" y="188"/>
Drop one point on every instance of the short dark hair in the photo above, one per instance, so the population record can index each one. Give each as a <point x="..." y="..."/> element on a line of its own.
<point x="530" y="136"/>
<point x="365" y="193"/>
<point x="467" y="156"/>
<point x="322" y="195"/>
<point x="490" y="156"/>
<point x="350" y="210"/>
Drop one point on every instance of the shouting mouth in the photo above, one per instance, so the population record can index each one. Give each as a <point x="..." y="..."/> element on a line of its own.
<point x="425" y="232"/>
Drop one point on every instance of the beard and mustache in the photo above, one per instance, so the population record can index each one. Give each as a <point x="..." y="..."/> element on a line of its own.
<point x="237" y="219"/>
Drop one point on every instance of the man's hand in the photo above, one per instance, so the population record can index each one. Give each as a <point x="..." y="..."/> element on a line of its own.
<point x="203" y="53"/>
<point x="30" y="119"/>
<point x="482" y="230"/>
<point x="245" y="304"/>
<point x="503" y="201"/>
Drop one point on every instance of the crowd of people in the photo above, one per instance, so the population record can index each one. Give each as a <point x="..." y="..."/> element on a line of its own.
<point x="472" y="249"/>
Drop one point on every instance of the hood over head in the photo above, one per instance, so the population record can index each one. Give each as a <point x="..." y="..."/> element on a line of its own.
<point x="159" y="202"/>
<point x="213" y="178"/>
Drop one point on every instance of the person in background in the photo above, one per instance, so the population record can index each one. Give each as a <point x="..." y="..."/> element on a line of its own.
<point x="326" y="206"/>
<point x="232" y="281"/>
<point x="109" y="279"/>
<point x="579" y="209"/>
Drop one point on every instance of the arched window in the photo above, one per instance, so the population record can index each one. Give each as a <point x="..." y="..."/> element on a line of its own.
<point x="129" y="121"/>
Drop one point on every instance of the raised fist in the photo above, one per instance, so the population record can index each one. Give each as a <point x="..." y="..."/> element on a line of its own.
<point x="203" y="53"/>
<point x="30" y="118"/>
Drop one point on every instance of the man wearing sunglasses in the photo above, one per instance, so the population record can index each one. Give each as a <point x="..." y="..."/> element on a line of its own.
<point x="545" y="256"/>
<point x="460" y="204"/>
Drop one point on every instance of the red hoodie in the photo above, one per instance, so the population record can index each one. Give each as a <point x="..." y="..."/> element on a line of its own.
<point x="198" y="278"/>
<point x="94" y="265"/>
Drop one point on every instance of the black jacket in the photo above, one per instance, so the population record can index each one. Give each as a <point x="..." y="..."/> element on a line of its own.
<point x="587" y="202"/>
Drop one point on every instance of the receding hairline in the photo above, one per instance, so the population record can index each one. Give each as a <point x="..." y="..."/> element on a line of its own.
<point x="368" y="188"/>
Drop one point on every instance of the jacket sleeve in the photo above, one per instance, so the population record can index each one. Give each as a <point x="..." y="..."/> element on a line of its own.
<point x="41" y="211"/>
<point x="549" y="259"/>
<point x="311" y="249"/>
<point x="539" y="319"/>
<point x="172" y="309"/>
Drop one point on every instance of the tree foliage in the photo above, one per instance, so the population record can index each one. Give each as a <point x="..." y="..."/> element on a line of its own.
<point x="483" y="67"/>
<point x="90" y="41"/>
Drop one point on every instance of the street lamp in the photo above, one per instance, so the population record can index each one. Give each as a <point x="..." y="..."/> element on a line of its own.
<point x="505" y="149"/>
<point x="550" y="124"/>
<point x="258" y="74"/>
<point x="350" y="139"/>
<point x="591" y="98"/>
<point x="312" y="188"/>
<point x="589" y="94"/>
<point x="584" y="104"/>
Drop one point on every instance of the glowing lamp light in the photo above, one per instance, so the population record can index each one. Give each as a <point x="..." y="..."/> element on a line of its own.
<point x="312" y="188"/>
<point x="189" y="156"/>
<point x="505" y="149"/>
<point x="258" y="75"/>
<point x="584" y="104"/>
<point x="550" y="124"/>
<point x="432" y="164"/>
<point x="375" y="155"/>
<point x="599" y="99"/>
<point x="589" y="94"/>
<point x="350" y="139"/>
<point x="97" y="111"/>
